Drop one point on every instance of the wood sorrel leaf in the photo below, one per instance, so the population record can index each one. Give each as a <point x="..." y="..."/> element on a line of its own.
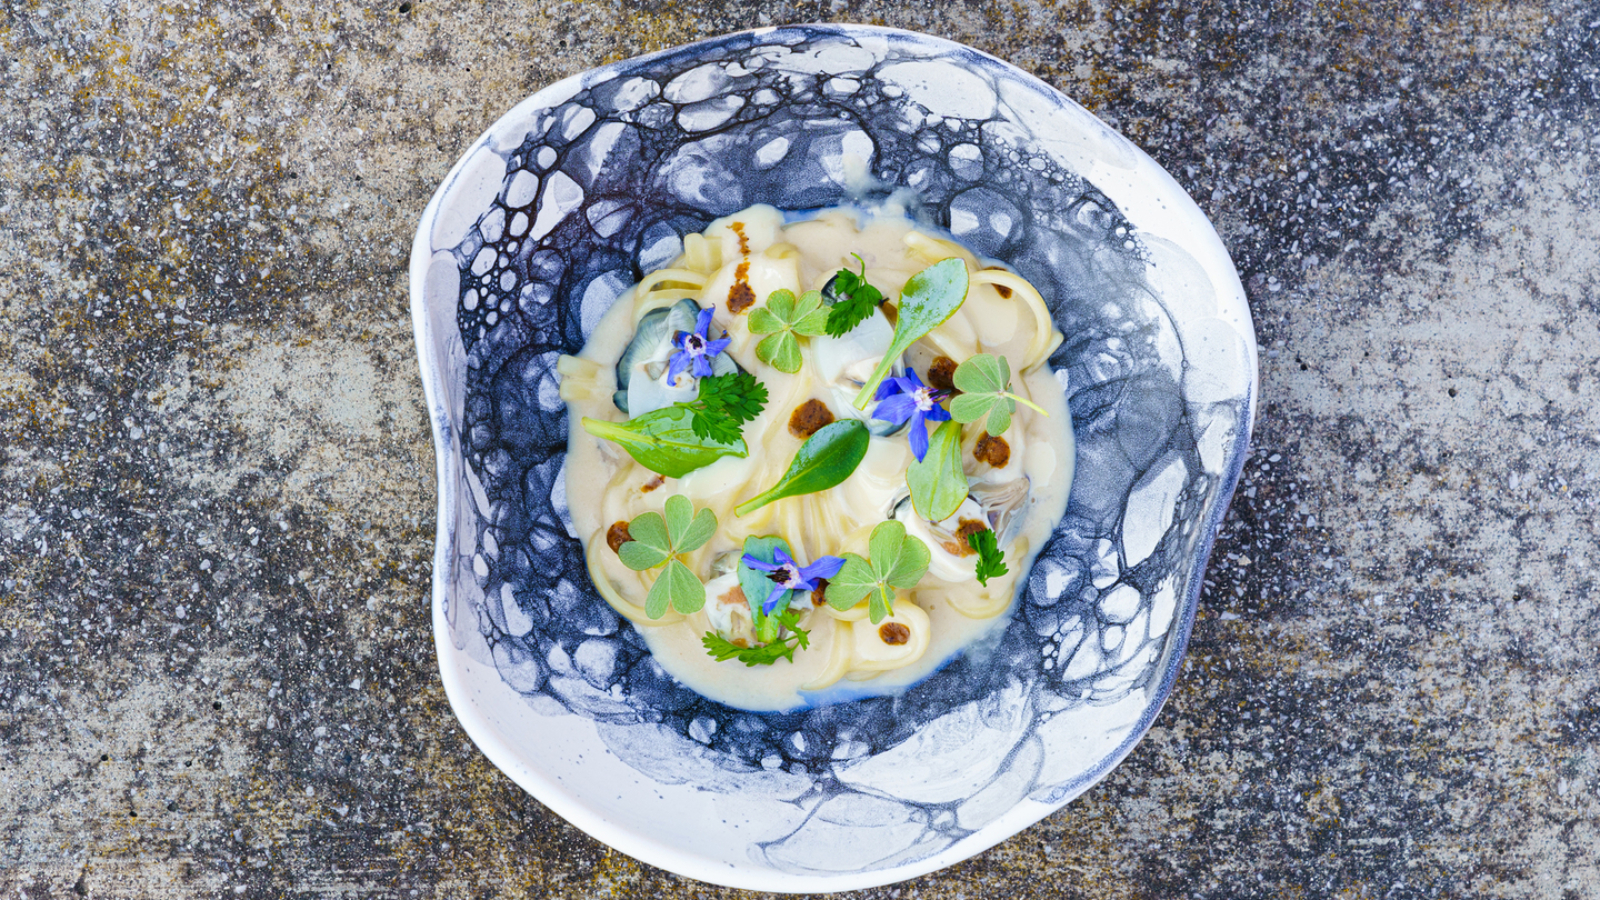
<point x="898" y="560"/>
<point x="664" y="441"/>
<point x="783" y="320"/>
<point x="654" y="539"/>
<point x="823" y="461"/>
<point x="938" y="484"/>
<point x="928" y="299"/>
<point x="985" y="383"/>
<point x="676" y="587"/>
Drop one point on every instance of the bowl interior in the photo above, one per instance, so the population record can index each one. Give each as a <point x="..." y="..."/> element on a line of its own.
<point x="580" y="189"/>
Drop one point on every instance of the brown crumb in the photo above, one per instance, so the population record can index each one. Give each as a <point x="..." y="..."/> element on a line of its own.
<point x="992" y="450"/>
<point x="744" y="239"/>
<point x="617" y="535"/>
<point x="808" y="417"/>
<point x="740" y="297"/>
<point x="1004" y="292"/>
<point x="819" y="596"/>
<point x="893" y="633"/>
<point x="652" y="484"/>
<point x="959" y="546"/>
<point x="941" y="375"/>
<point x="734" y="596"/>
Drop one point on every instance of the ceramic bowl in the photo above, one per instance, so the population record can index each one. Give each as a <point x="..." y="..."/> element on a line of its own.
<point x="562" y="204"/>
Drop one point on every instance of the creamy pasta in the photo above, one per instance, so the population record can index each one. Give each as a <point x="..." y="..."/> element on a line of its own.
<point x="1018" y="484"/>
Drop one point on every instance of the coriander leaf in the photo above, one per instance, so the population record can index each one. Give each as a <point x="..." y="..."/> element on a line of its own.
<point x="985" y="383"/>
<point x="898" y="561"/>
<point x="784" y="319"/>
<point x="723" y="649"/>
<point x="938" y="483"/>
<point x="664" y="441"/>
<point x="991" y="559"/>
<point x="928" y="299"/>
<point x="826" y="459"/>
<point x="725" y="403"/>
<point x="853" y="299"/>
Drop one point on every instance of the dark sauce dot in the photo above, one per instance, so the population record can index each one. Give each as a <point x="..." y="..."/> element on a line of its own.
<point x="617" y="535"/>
<point x="808" y="418"/>
<point x="893" y="633"/>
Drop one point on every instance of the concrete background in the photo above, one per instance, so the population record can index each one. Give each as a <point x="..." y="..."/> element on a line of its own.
<point x="216" y="502"/>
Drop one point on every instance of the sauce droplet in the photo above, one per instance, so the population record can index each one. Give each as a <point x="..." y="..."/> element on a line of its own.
<point x="893" y="633"/>
<point x="808" y="418"/>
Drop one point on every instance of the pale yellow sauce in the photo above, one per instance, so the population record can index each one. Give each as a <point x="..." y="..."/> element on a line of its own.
<point x="605" y="485"/>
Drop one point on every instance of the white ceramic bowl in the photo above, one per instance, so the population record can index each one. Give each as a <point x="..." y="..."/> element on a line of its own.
<point x="560" y="205"/>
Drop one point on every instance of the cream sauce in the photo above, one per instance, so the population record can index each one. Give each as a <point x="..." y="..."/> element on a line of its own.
<point x="605" y="485"/>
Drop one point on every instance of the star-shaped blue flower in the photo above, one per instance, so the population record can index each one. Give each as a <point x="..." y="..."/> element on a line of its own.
<point x="788" y="575"/>
<point x="905" y="398"/>
<point x="695" y="350"/>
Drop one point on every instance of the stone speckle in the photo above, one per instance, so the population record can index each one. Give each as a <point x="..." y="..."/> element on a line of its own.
<point x="216" y="500"/>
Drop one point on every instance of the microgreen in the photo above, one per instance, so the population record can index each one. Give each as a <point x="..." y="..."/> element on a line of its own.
<point x="898" y="561"/>
<point x="854" y="299"/>
<point x="660" y="539"/>
<point x="725" y="403"/>
<point x="928" y="299"/>
<point x="938" y="483"/>
<point x="784" y="319"/>
<point x="823" y="461"/>
<point x="985" y="385"/>
<point x="665" y="441"/>
<point x="762" y="654"/>
<point x="991" y="559"/>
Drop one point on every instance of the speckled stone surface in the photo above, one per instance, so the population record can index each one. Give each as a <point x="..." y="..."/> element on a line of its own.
<point x="216" y="503"/>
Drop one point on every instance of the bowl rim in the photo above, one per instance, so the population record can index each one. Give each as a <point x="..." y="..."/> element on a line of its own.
<point x="455" y="665"/>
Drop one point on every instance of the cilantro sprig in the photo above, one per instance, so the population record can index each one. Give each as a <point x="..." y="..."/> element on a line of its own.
<point x="991" y="559"/>
<point x="785" y="320"/>
<point x="797" y="638"/>
<point x="985" y="385"/>
<point x="725" y="403"/>
<point x="656" y="540"/>
<point x="854" y="299"/>
<point x="898" y="560"/>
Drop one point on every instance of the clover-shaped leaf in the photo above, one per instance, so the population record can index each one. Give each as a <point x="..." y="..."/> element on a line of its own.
<point x="985" y="385"/>
<point x="898" y="561"/>
<point x="656" y="539"/>
<point x="784" y="320"/>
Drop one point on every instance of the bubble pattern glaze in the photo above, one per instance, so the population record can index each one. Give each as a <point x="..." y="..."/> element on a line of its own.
<point x="593" y="182"/>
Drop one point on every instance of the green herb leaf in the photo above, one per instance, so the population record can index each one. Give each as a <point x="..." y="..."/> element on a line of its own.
<point x="898" y="560"/>
<point x="784" y="319"/>
<point x="725" y="403"/>
<point x="985" y="383"/>
<point x="856" y="300"/>
<point x="762" y="654"/>
<point x="823" y="461"/>
<point x="928" y="299"/>
<point x="665" y="442"/>
<point x="938" y="484"/>
<point x="991" y="559"/>
<point x="654" y="539"/>
<point x="676" y="587"/>
<point x="755" y="583"/>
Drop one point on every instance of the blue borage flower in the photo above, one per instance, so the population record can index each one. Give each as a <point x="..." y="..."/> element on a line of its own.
<point x="695" y="349"/>
<point x="905" y="398"/>
<point x="794" y="577"/>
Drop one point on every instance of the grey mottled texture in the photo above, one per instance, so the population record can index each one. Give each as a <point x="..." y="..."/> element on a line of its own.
<point x="216" y="668"/>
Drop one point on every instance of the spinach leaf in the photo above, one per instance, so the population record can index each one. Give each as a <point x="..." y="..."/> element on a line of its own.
<point x="823" y="461"/>
<point x="938" y="484"/>
<point x="664" y="441"/>
<point x="928" y="299"/>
